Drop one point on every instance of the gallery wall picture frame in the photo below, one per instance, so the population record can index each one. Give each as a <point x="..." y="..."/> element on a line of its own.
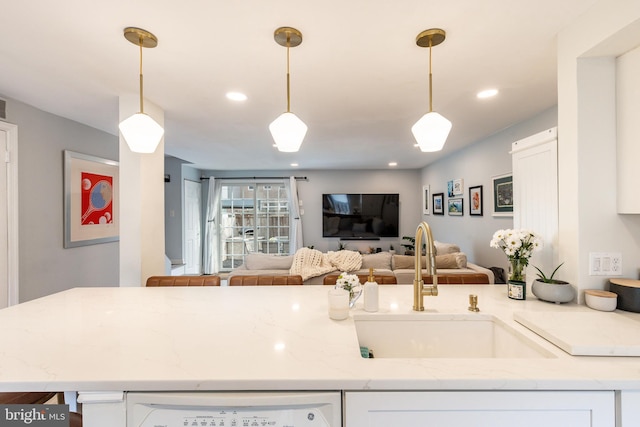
<point x="91" y="200"/>
<point x="458" y="187"/>
<point x="426" y="195"/>
<point x="438" y="204"/>
<point x="502" y="186"/>
<point x="455" y="206"/>
<point x="475" y="200"/>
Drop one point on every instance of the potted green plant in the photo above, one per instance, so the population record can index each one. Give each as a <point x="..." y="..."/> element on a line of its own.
<point x="409" y="248"/>
<point x="547" y="288"/>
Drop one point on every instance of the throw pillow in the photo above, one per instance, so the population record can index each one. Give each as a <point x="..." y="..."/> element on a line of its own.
<point x="407" y="262"/>
<point x="379" y="261"/>
<point x="446" y="248"/>
<point x="449" y="261"/>
<point x="258" y="261"/>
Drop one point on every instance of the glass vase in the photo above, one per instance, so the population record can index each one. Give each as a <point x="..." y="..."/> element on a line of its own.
<point x="517" y="269"/>
<point x="517" y="285"/>
<point x="354" y="294"/>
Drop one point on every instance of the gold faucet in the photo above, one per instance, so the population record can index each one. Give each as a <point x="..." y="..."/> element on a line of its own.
<point x="419" y="288"/>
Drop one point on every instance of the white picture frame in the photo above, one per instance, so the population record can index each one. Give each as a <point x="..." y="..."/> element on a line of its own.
<point x="426" y="196"/>
<point x="85" y="178"/>
<point x="458" y="187"/>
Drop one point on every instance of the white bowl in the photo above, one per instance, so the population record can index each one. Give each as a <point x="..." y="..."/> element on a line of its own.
<point x="601" y="300"/>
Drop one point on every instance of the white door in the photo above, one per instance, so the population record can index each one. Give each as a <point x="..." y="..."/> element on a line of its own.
<point x="8" y="214"/>
<point x="192" y="227"/>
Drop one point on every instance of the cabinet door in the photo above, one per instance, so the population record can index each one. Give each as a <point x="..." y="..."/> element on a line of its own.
<point x="629" y="408"/>
<point x="480" y="409"/>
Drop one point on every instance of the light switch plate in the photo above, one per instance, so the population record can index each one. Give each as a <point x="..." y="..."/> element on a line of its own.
<point x="605" y="264"/>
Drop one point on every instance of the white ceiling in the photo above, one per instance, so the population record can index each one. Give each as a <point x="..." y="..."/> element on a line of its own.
<point x="358" y="80"/>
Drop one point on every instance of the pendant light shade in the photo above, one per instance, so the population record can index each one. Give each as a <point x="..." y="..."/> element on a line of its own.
<point x="142" y="133"/>
<point x="432" y="130"/>
<point x="288" y="130"/>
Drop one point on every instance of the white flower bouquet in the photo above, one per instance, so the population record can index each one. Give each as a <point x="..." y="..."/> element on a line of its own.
<point x="518" y="246"/>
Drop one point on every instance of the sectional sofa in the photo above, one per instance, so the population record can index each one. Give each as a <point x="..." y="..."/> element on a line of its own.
<point x="449" y="261"/>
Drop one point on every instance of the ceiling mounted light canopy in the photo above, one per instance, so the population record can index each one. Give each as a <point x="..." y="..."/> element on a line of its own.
<point x="141" y="132"/>
<point x="288" y="130"/>
<point x="432" y="130"/>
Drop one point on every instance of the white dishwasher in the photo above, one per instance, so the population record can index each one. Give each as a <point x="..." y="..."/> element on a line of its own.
<point x="234" y="409"/>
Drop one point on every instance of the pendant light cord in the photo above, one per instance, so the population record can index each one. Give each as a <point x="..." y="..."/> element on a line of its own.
<point x="141" y="86"/>
<point x="430" y="80"/>
<point x="288" y="77"/>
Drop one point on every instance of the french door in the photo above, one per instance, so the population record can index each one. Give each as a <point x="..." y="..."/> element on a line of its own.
<point x="254" y="217"/>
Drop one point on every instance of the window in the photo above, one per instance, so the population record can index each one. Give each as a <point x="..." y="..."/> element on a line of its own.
<point x="254" y="217"/>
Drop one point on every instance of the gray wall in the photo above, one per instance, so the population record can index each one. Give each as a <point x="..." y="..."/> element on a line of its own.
<point x="476" y="165"/>
<point x="179" y="171"/>
<point x="45" y="266"/>
<point x="404" y="182"/>
<point x="173" y="209"/>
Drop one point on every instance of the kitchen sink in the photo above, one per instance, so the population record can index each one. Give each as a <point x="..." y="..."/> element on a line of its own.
<point x="443" y="335"/>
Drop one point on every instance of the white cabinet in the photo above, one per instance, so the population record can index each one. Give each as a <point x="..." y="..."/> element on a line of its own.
<point x="628" y="131"/>
<point x="480" y="409"/>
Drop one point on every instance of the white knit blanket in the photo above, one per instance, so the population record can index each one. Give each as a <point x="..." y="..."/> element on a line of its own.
<point x="345" y="260"/>
<point x="311" y="262"/>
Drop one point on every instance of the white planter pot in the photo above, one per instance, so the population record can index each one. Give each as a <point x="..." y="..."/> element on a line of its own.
<point x="553" y="292"/>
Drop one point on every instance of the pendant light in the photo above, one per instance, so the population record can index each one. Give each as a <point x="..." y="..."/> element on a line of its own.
<point x="432" y="129"/>
<point x="141" y="132"/>
<point x="288" y="130"/>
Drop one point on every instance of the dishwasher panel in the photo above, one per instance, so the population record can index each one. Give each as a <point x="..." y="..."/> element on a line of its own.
<point x="234" y="409"/>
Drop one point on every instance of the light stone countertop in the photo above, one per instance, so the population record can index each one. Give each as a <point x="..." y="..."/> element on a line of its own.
<point x="266" y="338"/>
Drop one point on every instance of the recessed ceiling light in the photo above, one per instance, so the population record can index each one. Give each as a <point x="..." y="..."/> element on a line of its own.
<point x="295" y="165"/>
<point x="487" y="93"/>
<point x="236" y="96"/>
<point x="393" y="163"/>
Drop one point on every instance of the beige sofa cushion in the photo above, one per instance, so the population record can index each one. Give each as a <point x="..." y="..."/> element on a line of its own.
<point x="452" y="260"/>
<point x="258" y="261"/>
<point x="379" y="261"/>
<point x="404" y="262"/>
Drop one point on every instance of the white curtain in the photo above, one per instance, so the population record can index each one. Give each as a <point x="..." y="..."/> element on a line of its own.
<point x="295" y="227"/>
<point x="211" y="230"/>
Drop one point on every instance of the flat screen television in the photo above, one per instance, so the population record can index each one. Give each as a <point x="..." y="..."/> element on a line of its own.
<point x="360" y="216"/>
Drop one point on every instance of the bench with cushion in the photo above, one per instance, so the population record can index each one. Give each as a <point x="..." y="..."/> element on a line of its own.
<point x="183" y="281"/>
<point x="265" y="280"/>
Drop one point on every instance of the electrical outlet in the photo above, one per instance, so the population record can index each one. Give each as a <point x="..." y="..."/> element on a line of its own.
<point x="605" y="264"/>
<point x="616" y="264"/>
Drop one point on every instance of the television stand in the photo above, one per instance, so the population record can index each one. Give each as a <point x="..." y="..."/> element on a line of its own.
<point x="359" y="238"/>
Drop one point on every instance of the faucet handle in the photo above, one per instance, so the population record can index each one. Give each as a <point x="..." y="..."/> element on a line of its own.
<point x="473" y="303"/>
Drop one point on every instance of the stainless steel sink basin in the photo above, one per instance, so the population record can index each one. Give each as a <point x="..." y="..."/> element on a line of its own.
<point x="442" y="335"/>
